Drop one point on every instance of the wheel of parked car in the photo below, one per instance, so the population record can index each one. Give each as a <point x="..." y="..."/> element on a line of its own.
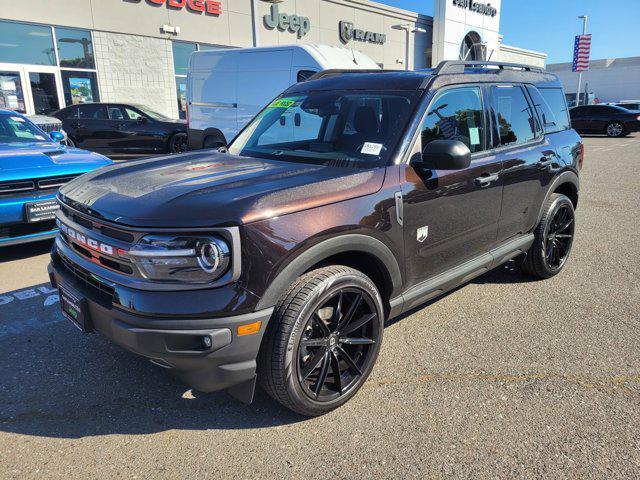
<point x="615" y="129"/>
<point x="178" y="143"/>
<point x="213" y="142"/>
<point x="553" y="238"/>
<point x="322" y="340"/>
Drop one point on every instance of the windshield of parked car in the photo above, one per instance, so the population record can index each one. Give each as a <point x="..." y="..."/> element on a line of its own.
<point x="17" y="129"/>
<point x="339" y="128"/>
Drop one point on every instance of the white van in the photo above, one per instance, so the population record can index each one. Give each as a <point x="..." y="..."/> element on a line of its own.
<point x="227" y="88"/>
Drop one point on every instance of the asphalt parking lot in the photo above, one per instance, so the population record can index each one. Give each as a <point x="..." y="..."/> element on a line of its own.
<point x="504" y="377"/>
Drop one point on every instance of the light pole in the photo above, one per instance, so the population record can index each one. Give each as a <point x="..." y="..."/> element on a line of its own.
<point x="584" y="31"/>
<point x="409" y="29"/>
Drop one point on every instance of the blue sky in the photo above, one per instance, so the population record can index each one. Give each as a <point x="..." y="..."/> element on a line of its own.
<point x="550" y="25"/>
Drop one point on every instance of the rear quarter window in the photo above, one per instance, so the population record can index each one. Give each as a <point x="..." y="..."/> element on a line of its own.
<point x="556" y="103"/>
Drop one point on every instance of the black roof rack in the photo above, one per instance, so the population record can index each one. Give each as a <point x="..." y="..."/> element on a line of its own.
<point x="458" y="66"/>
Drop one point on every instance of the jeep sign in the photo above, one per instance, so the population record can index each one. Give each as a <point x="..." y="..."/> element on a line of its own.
<point x="283" y="21"/>
<point x="348" y="33"/>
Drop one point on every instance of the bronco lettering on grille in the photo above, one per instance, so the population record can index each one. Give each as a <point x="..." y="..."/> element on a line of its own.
<point x="84" y="240"/>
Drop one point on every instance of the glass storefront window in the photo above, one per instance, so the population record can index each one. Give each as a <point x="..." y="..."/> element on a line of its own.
<point x="181" y="52"/>
<point x="11" y="96"/>
<point x="26" y="43"/>
<point x="75" y="48"/>
<point x="79" y="87"/>
<point x="44" y="93"/>
<point x="181" y="89"/>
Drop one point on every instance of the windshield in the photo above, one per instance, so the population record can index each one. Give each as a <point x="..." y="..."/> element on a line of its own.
<point x="17" y="129"/>
<point x="338" y="128"/>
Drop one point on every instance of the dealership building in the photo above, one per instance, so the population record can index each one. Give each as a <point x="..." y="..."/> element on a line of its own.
<point x="55" y="53"/>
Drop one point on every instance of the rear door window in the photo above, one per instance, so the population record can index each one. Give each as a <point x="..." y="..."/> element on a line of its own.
<point x="515" y="118"/>
<point x="93" y="112"/>
<point x="551" y="107"/>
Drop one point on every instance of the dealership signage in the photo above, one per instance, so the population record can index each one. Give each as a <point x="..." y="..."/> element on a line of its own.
<point x="484" y="9"/>
<point x="348" y="33"/>
<point x="210" y="7"/>
<point x="283" y="21"/>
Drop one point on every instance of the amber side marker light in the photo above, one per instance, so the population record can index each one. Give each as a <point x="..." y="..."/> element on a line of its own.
<point x="249" y="328"/>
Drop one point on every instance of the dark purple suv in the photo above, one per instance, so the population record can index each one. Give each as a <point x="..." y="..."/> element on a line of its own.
<point x="351" y="198"/>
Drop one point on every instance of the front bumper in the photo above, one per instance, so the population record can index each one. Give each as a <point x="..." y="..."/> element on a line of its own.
<point x="173" y="342"/>
<point x="14" y="229"/>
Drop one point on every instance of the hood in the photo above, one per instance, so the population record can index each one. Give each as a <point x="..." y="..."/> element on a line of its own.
<point x="207" y="189"/>
<point x="45" y="159"/>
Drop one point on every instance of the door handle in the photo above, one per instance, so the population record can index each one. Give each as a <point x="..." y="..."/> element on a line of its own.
<point x="485" y="179"/>
<point x="544" y="163"/>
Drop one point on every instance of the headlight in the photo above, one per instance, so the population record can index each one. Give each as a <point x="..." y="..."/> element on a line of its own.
<point x="181" y="259"/>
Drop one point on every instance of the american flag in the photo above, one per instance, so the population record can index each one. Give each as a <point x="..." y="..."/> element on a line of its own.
<point x="581" y="49"/>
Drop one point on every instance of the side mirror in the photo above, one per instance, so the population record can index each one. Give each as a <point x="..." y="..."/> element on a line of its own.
<point x="142" y="119"/>
<point x="57" y="136"/>
<point x="446" y="155"/>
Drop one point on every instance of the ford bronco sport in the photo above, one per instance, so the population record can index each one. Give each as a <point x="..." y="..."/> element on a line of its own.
<point x="351" y="198"/>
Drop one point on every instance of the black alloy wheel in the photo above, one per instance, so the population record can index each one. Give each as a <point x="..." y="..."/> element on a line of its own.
<point x="553" y="238"/>
<point x="322" y="340"/>
<point x="559" y="237"/>
<point x="179" y="143"/>
<point x="337" y="344"/>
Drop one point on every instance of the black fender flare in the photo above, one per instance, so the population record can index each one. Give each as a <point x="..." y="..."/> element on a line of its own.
<point x="324" y="250"/>
<point x="213" y="132"/>
<point x="568" y="176"/>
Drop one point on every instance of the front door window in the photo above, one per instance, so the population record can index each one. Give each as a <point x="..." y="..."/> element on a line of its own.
<point x="44" y="92"/>
<point x="11" y="95"/>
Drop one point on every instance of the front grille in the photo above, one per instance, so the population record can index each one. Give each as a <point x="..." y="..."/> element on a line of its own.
<point x="48" y="183"/>
<point x="96" y="226"/>
<point x="50" y="127"/>
<point x="106" y="292"/>
<point x="20" y="229"/>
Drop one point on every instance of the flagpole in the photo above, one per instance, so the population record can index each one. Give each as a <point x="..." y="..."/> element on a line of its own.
<point x="584" y="31"/>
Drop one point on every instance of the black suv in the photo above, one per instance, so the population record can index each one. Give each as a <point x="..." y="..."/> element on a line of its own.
<point x="351" y="198"/>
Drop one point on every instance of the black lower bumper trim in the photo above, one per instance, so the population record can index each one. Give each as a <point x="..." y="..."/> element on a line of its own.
<point x="222" y="361"/>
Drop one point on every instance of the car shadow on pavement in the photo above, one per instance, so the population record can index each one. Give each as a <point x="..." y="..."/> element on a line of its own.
<point x="26" y="250"/>
<point x="58" y="382"/>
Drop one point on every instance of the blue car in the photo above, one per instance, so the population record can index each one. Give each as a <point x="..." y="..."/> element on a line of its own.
<point x="33" y="165"/>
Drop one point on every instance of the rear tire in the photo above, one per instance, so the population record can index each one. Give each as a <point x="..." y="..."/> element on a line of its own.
<point x="553" y="238"/>
<point x="329" y="320"/>
<point x="615" y="129"/>
<point x="212" y="142"/>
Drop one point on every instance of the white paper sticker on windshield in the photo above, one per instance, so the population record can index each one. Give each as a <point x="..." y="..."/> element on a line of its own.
<point x="474" y="136"/>
<point x="38" y="137"/>
<point x="371" y="148"/>
<point x="17" y="119"/>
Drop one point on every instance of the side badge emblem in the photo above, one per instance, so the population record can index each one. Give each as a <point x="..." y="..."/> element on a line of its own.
<point x="423" y="233"/>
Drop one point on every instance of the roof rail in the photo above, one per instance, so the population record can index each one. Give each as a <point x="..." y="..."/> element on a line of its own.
<point x="458" y="66"/>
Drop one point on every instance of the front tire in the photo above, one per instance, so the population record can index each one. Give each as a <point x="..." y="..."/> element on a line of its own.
<point x="553" y="238"/>
<point x="322" y="340"/>
<point x="615" y="129"/>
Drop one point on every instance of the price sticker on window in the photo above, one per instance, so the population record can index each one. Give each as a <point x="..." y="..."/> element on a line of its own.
<point x="371" y="148"/>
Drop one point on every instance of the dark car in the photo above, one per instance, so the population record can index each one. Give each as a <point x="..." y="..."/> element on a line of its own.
<point x="611" y="120"/>
<point x="119" y="129"/>
<point x="629" y="104"/>
<point x="351" y="198"/>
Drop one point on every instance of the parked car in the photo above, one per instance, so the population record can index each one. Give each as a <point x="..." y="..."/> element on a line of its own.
<point x="32" y="167"/>
<point x="611" y="120"/>
<point x="227" y="88"/>
<point x="629" y="104"/>
<point x="281" y="258"/>
<point x="122" y="129"/>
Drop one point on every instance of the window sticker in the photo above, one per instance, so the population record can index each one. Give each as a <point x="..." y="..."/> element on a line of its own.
<point x="283" y="103"/>
<point x="38" y="137"/>
<point x="17" y="119"/>
<point x="474" y="136"/>
<point x="371" y="148"/>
